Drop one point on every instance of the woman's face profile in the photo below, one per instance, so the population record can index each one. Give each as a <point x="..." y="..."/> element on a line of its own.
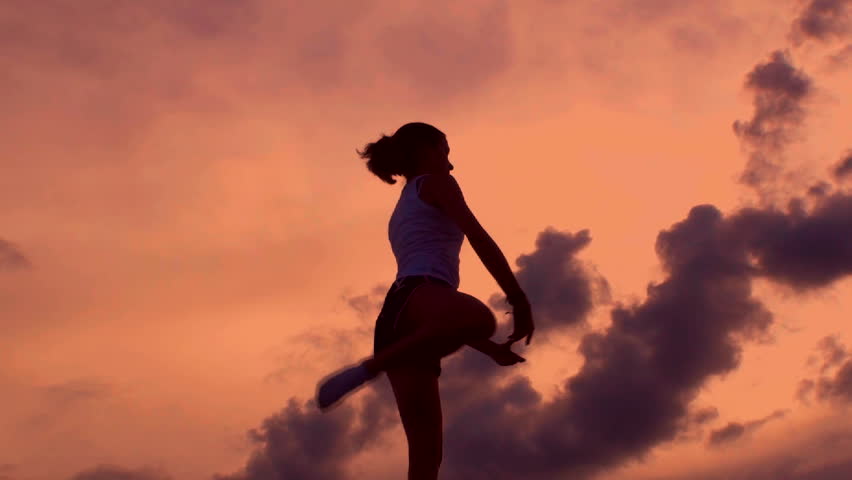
<point x="440" y="157"/>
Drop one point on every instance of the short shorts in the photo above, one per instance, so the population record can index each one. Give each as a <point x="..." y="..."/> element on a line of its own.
<point x="388" y="327"/>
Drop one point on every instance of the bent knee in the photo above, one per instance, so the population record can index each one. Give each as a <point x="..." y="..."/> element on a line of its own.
<point x="481" y="318"/>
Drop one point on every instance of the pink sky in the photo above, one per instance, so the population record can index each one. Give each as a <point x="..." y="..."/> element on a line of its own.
<point x="188" y="239"/>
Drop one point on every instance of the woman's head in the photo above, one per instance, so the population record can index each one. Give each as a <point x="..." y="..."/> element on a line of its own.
<point x="413" y="149"/>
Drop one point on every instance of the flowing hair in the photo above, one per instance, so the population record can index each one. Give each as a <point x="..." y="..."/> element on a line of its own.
<point x="397" y="155"/>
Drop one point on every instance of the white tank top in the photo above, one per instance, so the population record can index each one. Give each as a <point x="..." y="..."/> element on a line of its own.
<point x="424" y="240"/>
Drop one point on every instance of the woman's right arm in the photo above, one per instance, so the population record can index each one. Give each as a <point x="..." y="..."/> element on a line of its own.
<point x="444" y="192"/>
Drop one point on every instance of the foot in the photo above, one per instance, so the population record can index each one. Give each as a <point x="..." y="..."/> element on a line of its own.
<point x="504" y="355"/>
<point x="501" y="353"/>
<point x="336" y="386"/>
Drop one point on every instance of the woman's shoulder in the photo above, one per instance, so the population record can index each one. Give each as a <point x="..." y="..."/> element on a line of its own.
<point x="432" y="185"/>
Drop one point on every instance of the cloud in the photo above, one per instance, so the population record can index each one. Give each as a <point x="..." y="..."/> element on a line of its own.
<point x="779" y="92"/>
<point x="837" y="388"/>
<point x="821" y="452"/>
<point x="66" y="60"/>
<point x="734" y="430"/>
<point x="843" y="169"/>
<point x="299" y="438"/>
<point x="801" y="249"/>
<point x="728" y="433"/>
<point x="370" y="304"/>
<point x="11" y="258"/>
<point x="639" y="376"/>
<point x="819" y="189"/>
<point x="111" y="472"/>
<point x="58" y="400"/>
<point x="840" y="58"/>
<point x="444" y="49"/>
<point x="833" y="387"/>
<point x="821" y="20"/>
<point x="705" y="415"/>
<point x="692" y="426"/>
<point x="77" y="390"/>
<point x="561" y="289"/>
<point x="302" y="443"/>
<point x="637" y="381"/>
<point x="833" y="352"/>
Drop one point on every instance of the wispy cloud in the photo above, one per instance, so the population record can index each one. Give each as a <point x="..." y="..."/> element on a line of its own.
<point x="11" y="257"/>
<point x="733" y="431"/>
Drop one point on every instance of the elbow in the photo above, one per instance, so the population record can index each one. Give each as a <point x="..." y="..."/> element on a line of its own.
<point x="476" y="235"/>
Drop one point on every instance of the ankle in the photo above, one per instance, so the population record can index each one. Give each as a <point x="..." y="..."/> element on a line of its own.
<point x="483" y="345"/>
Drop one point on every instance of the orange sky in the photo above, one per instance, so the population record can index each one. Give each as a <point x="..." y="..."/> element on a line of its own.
<point x="185" y="221"/>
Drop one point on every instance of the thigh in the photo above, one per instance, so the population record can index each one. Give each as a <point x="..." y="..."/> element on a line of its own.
<point x="418" y="400"/>
<point x="433" y="302"/>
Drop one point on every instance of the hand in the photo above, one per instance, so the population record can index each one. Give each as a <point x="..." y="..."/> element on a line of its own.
<point x="524" y="326"/>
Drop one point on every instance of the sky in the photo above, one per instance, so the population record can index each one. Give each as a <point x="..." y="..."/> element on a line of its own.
<point x="189" y="241"/>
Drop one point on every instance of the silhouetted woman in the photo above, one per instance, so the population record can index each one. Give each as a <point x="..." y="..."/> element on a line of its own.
<point x="425" y="317"/>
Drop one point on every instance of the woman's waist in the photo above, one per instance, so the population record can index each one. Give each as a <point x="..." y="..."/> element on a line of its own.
<point x="421" y="277"/>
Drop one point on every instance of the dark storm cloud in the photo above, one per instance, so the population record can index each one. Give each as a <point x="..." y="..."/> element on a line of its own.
<point x="111" y="472"/>
<point x="735" y="430"/>
<point x="561" y="289"/>
<point x="804" y="250"/>
<point x="639" y="376"/>
<point x="843" y="169"/>
<point x="301" y="443"/>
<point x="11" y="258"/>
<point x="641" y="373"/>
<point x="822" y="20"/>
<point x="779" y="92"/>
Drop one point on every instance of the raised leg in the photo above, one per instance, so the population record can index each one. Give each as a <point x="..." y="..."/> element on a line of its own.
<point x="441" y="322"/>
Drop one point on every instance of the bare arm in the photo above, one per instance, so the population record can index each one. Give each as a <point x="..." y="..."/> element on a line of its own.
<point x="444" y="192"/>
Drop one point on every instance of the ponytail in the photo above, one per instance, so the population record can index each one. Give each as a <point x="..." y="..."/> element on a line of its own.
<point x="383" y="158"/>
<point x="394" y="155"/>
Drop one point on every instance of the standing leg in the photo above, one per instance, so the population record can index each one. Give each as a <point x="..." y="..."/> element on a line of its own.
<point x="418" y="400"/>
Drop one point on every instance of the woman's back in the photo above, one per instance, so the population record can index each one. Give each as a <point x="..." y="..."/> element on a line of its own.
<point x="424" y="240"/>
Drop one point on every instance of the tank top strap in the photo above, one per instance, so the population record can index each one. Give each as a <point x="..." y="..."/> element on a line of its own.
<point x="419" y="181"/>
